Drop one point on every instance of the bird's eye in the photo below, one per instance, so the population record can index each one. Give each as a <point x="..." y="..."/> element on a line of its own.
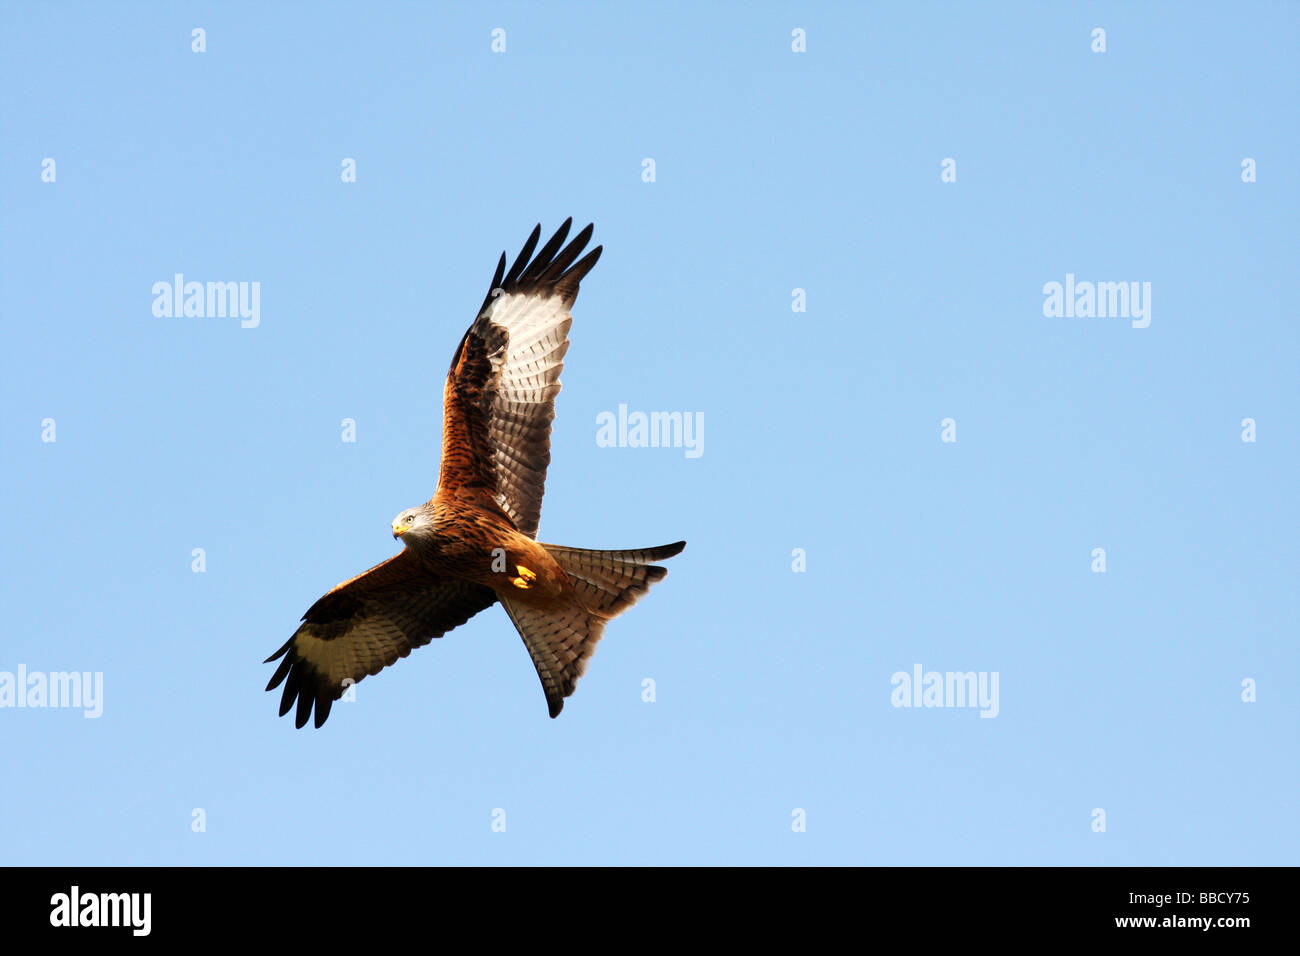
<point x="410" y="518"/>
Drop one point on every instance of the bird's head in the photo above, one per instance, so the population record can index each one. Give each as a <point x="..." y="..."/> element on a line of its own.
<point x="412" y="522"/>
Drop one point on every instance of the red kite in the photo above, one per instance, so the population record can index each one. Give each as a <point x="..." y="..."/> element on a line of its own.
<point x="473" y="543"/>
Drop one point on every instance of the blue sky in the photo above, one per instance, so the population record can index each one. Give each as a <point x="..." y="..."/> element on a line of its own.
<point x="773" y="171"/>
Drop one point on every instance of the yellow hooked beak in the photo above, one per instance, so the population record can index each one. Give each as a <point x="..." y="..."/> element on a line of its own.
<point x="398" y="529"/>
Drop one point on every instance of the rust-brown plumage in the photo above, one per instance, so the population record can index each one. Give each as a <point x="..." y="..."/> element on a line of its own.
<point x="474" y="542"/>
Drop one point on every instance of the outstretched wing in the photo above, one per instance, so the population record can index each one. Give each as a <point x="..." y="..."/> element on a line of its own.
<point x="365" y="624"/>
<point x="500" y="394"/>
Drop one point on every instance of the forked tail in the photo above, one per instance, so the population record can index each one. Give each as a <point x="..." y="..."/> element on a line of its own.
<point x="607" y="584"/>
<point x="610" y="582"/>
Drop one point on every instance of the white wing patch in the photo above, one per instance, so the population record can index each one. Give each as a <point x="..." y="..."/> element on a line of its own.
<point x="527" y="369"/>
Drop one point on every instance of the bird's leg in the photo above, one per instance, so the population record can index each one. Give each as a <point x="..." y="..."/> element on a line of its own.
<point x="525" y="579"/>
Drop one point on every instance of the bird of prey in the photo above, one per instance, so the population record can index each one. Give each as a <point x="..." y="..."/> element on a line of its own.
<point x="474" y="542"/>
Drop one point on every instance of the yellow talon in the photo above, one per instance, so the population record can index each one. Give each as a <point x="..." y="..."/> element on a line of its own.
<point x="525" y="579"/>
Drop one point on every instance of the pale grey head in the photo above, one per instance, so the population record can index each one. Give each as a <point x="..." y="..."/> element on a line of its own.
<point x="413" y="522"/>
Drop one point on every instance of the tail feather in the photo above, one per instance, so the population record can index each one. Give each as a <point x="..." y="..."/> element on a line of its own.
<point x="610" y="582"/>
<point x="607" y="584"/>
<point x="560" y="644"/>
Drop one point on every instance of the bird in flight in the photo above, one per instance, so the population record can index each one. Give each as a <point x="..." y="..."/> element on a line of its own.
<point x="474" y="542"/>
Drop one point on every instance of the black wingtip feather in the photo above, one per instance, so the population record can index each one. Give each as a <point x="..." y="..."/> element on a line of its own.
<point x="280" y="673"/>
<point x="291" y="688"/>
<point x="525" y="254"/>
<point x="281" y="652"/>
<point x="550" y="269"/>
<point x="302" y="692"/>
<point x="556" y="268"/>
<point x="501" y="270"/>
<point x="305" y="701"/>
<point x="567" y="284"/>
<point x="543" y="259"/>
<point x="323" y="704"/>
